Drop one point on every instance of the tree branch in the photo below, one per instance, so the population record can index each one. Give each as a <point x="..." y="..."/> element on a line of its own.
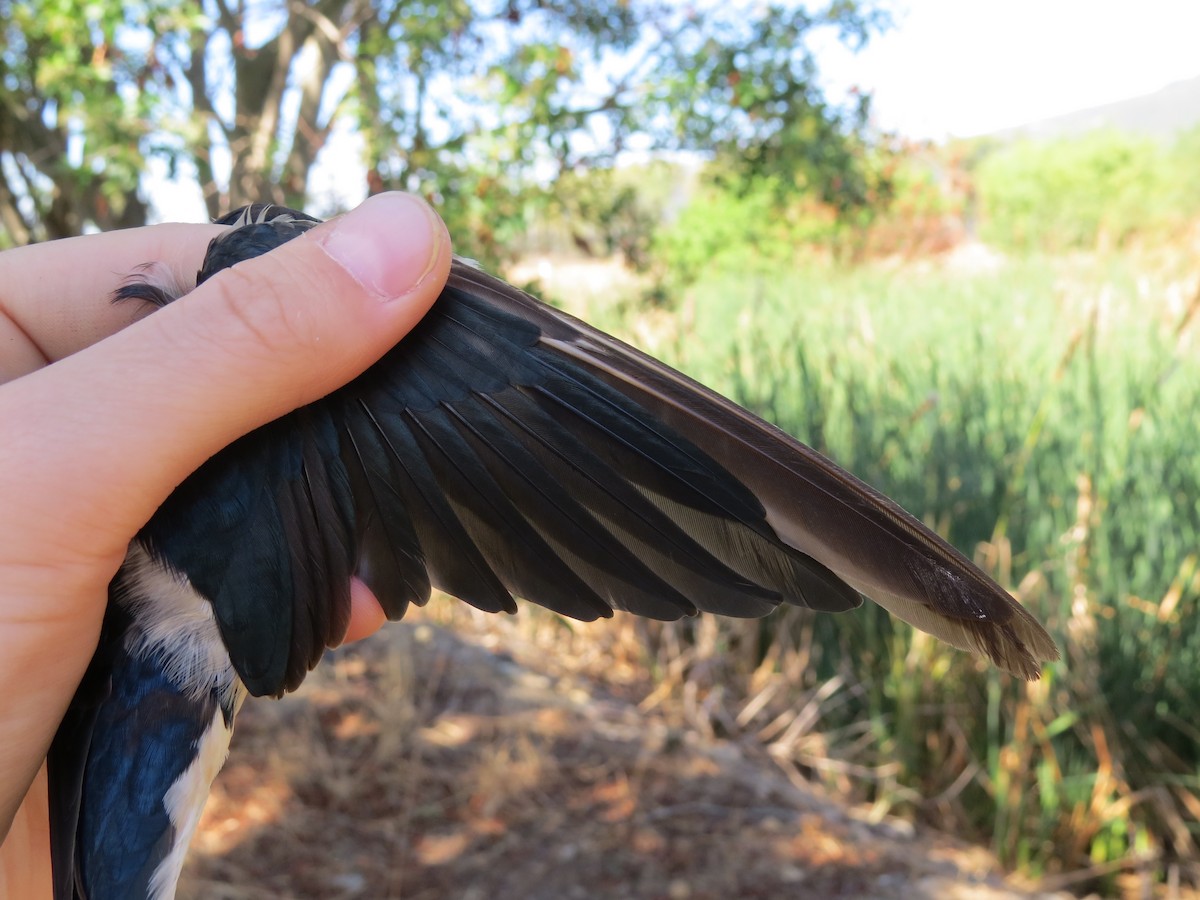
<point x="16" y="227"/>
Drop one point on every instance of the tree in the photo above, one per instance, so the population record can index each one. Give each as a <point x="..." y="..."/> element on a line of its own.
<point x="75" y="115"/>
<point x="472" y="101"/>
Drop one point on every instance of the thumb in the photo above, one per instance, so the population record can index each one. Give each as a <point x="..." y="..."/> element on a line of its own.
<point x="119" y="425"/>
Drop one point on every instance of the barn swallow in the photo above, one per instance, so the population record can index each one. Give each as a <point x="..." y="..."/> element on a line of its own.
<point x="502" y="449"/>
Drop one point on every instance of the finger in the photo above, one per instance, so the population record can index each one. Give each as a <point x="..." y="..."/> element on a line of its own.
<point x="25" y="849"/>
<point x="55" y="296"/>
<point x="366" y="615"/>
<point x="130" y="417"/>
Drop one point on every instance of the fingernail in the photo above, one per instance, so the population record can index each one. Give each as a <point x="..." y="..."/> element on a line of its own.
<point x="388" y="244"/>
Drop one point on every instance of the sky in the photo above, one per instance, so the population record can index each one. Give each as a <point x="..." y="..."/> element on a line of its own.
<point x="966" y="67"/>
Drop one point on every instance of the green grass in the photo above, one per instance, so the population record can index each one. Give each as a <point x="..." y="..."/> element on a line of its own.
<point x="1045" y="417"/>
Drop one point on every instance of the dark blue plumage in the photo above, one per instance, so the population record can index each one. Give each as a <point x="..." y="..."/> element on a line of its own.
<point x="146" y="736"/>
<point x="142" y="740"/>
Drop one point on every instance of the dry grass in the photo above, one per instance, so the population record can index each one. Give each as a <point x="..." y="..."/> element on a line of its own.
<point x="429" y="763"/>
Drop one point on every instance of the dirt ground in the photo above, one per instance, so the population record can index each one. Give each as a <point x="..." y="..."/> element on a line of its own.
<point x="419" y="764"/>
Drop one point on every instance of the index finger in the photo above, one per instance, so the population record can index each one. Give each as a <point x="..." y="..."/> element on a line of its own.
<point x="55" y="296"/>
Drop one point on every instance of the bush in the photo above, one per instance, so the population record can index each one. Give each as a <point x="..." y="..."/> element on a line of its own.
<point x="1076" y="193"/>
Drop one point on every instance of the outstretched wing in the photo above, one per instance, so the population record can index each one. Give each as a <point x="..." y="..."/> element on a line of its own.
<point x="811" y="504"/>
<point x="506" y="449"/>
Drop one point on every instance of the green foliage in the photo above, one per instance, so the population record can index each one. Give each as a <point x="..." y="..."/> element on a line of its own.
<point x="746" y="85"/>
<point x="607" y="212"/>
<point x="555" y="92"/>
<point x="757" y="222"/>
<point x="1034" y="417"/>
<point x="1102" y="189"/>
<point x="473" y="104"/>
<point x="1182" y="173"/>
<point x="1071" y="193"/>
<point x="75" y="112"/>
<point x="738" y="229"/>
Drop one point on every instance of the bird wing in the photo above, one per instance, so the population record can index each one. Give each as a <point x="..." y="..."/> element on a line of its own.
<point x="504" y="449"/>
<point x="812" y="504"/>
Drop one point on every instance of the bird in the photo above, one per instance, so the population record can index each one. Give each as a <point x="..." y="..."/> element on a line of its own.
<point x="503" y="449"/>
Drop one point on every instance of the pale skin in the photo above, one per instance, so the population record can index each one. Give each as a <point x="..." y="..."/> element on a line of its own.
<point x="104" y="410"/>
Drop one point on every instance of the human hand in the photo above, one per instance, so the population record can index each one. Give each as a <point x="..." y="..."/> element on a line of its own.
<point x="94" y="439"/>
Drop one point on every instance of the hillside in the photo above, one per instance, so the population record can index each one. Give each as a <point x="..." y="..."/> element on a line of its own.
<point x="1163" y="113"/>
